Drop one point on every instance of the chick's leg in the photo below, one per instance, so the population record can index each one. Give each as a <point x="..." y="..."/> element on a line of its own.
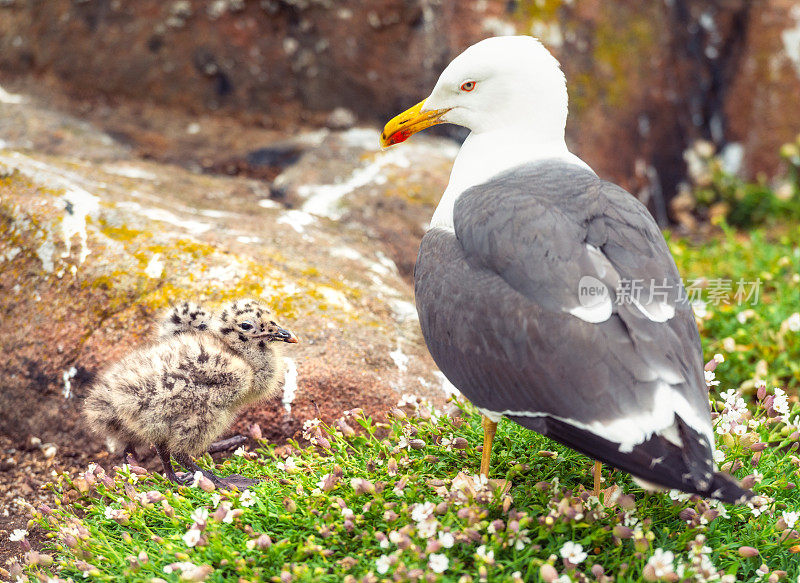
<point x="189" y="464"/>
<point x="169" y="473"/>
<point x="129" y="455"/>
<point x="235" y="481"/>
<point x="226" y="444"/>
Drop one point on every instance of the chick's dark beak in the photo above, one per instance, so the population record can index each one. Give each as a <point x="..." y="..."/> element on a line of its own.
<point x="280" y="334"/>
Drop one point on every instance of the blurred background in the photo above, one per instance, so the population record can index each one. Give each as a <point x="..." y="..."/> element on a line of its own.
<point x="155" y="151"/>
<point x="646" y="79"/>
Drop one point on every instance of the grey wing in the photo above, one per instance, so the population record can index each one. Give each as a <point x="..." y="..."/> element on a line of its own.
<point x="508" y="353"/>
<point x="545" y="228"/>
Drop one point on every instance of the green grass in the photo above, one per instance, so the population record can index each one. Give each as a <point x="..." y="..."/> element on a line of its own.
<point x="302" y="527"/>
<point x="764" y="344"/>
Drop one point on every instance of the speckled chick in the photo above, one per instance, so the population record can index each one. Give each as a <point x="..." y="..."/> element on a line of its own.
<point x="183" y="391"/>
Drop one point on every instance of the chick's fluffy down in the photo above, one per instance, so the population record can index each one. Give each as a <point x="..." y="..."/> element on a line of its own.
<point x="181" y="393"/>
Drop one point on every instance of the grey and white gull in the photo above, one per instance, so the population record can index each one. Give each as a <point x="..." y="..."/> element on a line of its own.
<point x="547" y="295"/>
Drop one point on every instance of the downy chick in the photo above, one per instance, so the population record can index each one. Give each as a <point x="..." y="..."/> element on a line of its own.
<point x="189" y="317"/>
<point x="183" y="391"/>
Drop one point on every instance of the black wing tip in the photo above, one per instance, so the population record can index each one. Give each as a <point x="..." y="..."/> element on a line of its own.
<point x="725" y="488"/>
<point x="672" y="472"/>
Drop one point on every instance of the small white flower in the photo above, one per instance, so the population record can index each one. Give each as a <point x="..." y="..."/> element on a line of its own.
<point x="481" y="481"/>
<point x="780" y="403"/>
<point x="188" y="569"/>
<point x="247" y="499"/>
<point x="288" y="466"/>
<point x="573" y="552"/>
<point x="679" y="496"/>
<point x="438" y="563"/>
<point x="19" y="534"/>
<point x="630" y="520"/>
<point x="710" y="375"/>
<point x="192" y="537"/>
<point x="422" y="512"/>
<point x="196" y="478"/>
<point x="719" y="507"/>
<point x="347" y="512"/>
<point x="240" y="451"/>
<point x="719" y="456"/>
<point x="447" y="539"/>
<point x="427" y="528"/>
<point x="521" y="540"/>
<point x="382" y="564"/>
<point x="199" y="515"/>
<point x="732" y="416"/>
<point x="718" y="358"/>
<point x="487" y="556"/>
<point x="384" y="544"/>
<point x="228" y="518"/>
<point x="662" y="563"/>
<point x="790" y="518"/>
<point x="215" y="498"/>
<point x="311" y="424"/>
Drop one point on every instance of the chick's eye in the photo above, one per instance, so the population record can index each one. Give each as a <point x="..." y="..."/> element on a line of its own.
<point x="468" y="86"/>
<point x="246" y="326"/>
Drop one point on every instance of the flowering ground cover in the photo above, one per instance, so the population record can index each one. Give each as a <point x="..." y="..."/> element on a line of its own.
<point x="399" y="501"/>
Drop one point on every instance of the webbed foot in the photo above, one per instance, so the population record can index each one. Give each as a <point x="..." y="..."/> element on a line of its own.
<point x="239" y="482"/>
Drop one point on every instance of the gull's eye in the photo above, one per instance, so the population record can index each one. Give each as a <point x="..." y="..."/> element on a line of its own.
<point x="468" y="85"/>
<point x="246" y="325"/>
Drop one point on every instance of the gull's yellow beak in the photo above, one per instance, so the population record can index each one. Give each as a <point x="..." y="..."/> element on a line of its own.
<point x="403" y="126"/>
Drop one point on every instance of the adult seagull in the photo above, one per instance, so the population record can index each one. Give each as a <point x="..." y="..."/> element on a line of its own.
<point x="547" y="295"/>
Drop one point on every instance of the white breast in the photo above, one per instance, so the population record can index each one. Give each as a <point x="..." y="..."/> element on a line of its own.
<point x="487" y="154"/>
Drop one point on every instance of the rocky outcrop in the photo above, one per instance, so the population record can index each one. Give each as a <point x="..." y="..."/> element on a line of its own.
<point x="96" y="244"/>
<point x="647" y="79"/>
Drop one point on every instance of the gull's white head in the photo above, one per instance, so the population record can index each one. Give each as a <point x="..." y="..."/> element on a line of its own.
<point x="501" y="83"/>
